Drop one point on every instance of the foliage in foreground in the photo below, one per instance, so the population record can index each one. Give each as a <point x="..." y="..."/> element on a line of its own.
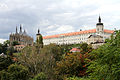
<point x="106" y="60"/>
<point x="77" y="78"/>
<point x="40" y="76"/>
<point x="14" y="72"/>
<point x="72" y="64"/>
<point x="5" y="62"/>
<point x="44" y="61"/>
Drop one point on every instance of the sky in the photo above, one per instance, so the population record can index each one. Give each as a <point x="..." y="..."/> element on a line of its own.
<point x="56" y="16"/>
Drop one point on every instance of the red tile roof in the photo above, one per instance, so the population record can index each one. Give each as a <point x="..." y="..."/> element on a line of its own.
<point x="76" y="33"/>
<point x="108" y="31"/>
<point x="75" y="49"/>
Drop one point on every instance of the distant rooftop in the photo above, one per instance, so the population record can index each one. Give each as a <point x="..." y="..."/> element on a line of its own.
<point x="76" y="33"/>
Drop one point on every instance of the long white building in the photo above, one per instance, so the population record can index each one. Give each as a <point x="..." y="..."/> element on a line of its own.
<point x="78" y="37"/>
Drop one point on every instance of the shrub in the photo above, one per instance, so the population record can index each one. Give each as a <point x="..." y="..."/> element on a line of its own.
<point x="40" y="76"/>
<point x="4" y="75"/>
<point x="5" y="62"/>
<point x="77" y="78"/>
<point x="14" y="72"/>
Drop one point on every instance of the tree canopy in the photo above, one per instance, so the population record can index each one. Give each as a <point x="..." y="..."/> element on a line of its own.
<point x="106" y="60"/>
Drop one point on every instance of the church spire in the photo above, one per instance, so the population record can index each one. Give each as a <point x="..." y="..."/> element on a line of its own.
<point x="20" y="28"/>
<point x="16" y="29"/>
<point x="39" y="39"/>
<point x="38" y="31"/>
<point x="24" y="32"/>
<point x="99" y="20"/>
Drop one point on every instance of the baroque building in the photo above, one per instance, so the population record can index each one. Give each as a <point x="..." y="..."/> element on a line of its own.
<point x="78" y="37"/>
<point x="21" y="37"/>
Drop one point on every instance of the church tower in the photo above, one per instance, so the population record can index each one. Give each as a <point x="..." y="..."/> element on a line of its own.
<point x="39" y="39"/>
<point x="38" y="35"/>
<point x="99" y="26"/>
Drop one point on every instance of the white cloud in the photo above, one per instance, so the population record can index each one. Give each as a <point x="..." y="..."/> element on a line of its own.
<point x="3" y="7"/>
<point x="56" y="16"/>
<point x="57" y="29"/>
<point x="2" y="40"/>
<point x="87" y="27"/>
<point x="52" y="26"/>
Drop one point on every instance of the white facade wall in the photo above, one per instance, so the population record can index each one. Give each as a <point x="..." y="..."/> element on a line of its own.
<point x="106" y="35"/>
<point x="74" y="39"/>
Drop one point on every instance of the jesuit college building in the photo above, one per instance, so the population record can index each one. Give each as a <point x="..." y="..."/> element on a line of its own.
<point x="78" y="37"/>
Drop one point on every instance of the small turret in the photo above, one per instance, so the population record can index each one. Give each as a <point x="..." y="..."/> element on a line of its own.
<point x="25" y="32"/>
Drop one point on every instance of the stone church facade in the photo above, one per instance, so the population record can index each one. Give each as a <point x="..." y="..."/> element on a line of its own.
<point x="21" y="37"/>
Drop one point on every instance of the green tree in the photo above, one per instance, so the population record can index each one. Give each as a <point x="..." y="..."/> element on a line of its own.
<point x="18" y="72"/>
<point x="14" y="72"/>
<point x="1" y="48"/>
<point x="39" y="41"/>
<point x="4" y="75"/>
<point x="4" y="48"/>
<point x="40" y="76"/>
<point x="10" y="50"/>
<point x="106" y="60"/>
<point x="77" y="78"/>
<point x="7" y="43"/>
<point x="5" y="62"/>
<point x="73" y="64"/>
<point x="45" y="61"/>
<point x="85" y="48"/>
<point x="54" y="50"/>
<point x="15" y="43"/>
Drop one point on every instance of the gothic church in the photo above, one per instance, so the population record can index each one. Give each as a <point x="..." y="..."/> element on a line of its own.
<point x="21" y="37"/>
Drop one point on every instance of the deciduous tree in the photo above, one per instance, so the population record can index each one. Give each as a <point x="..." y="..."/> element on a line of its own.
<point x="106" y="60"/>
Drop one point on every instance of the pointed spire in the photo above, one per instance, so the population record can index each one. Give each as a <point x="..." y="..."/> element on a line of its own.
<point x="16" y="29"/>
<point x="38" y="31"/>
<point x="24" y="31"/>
<point x="20" y="28"/>
<point x="99" y="20"/>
